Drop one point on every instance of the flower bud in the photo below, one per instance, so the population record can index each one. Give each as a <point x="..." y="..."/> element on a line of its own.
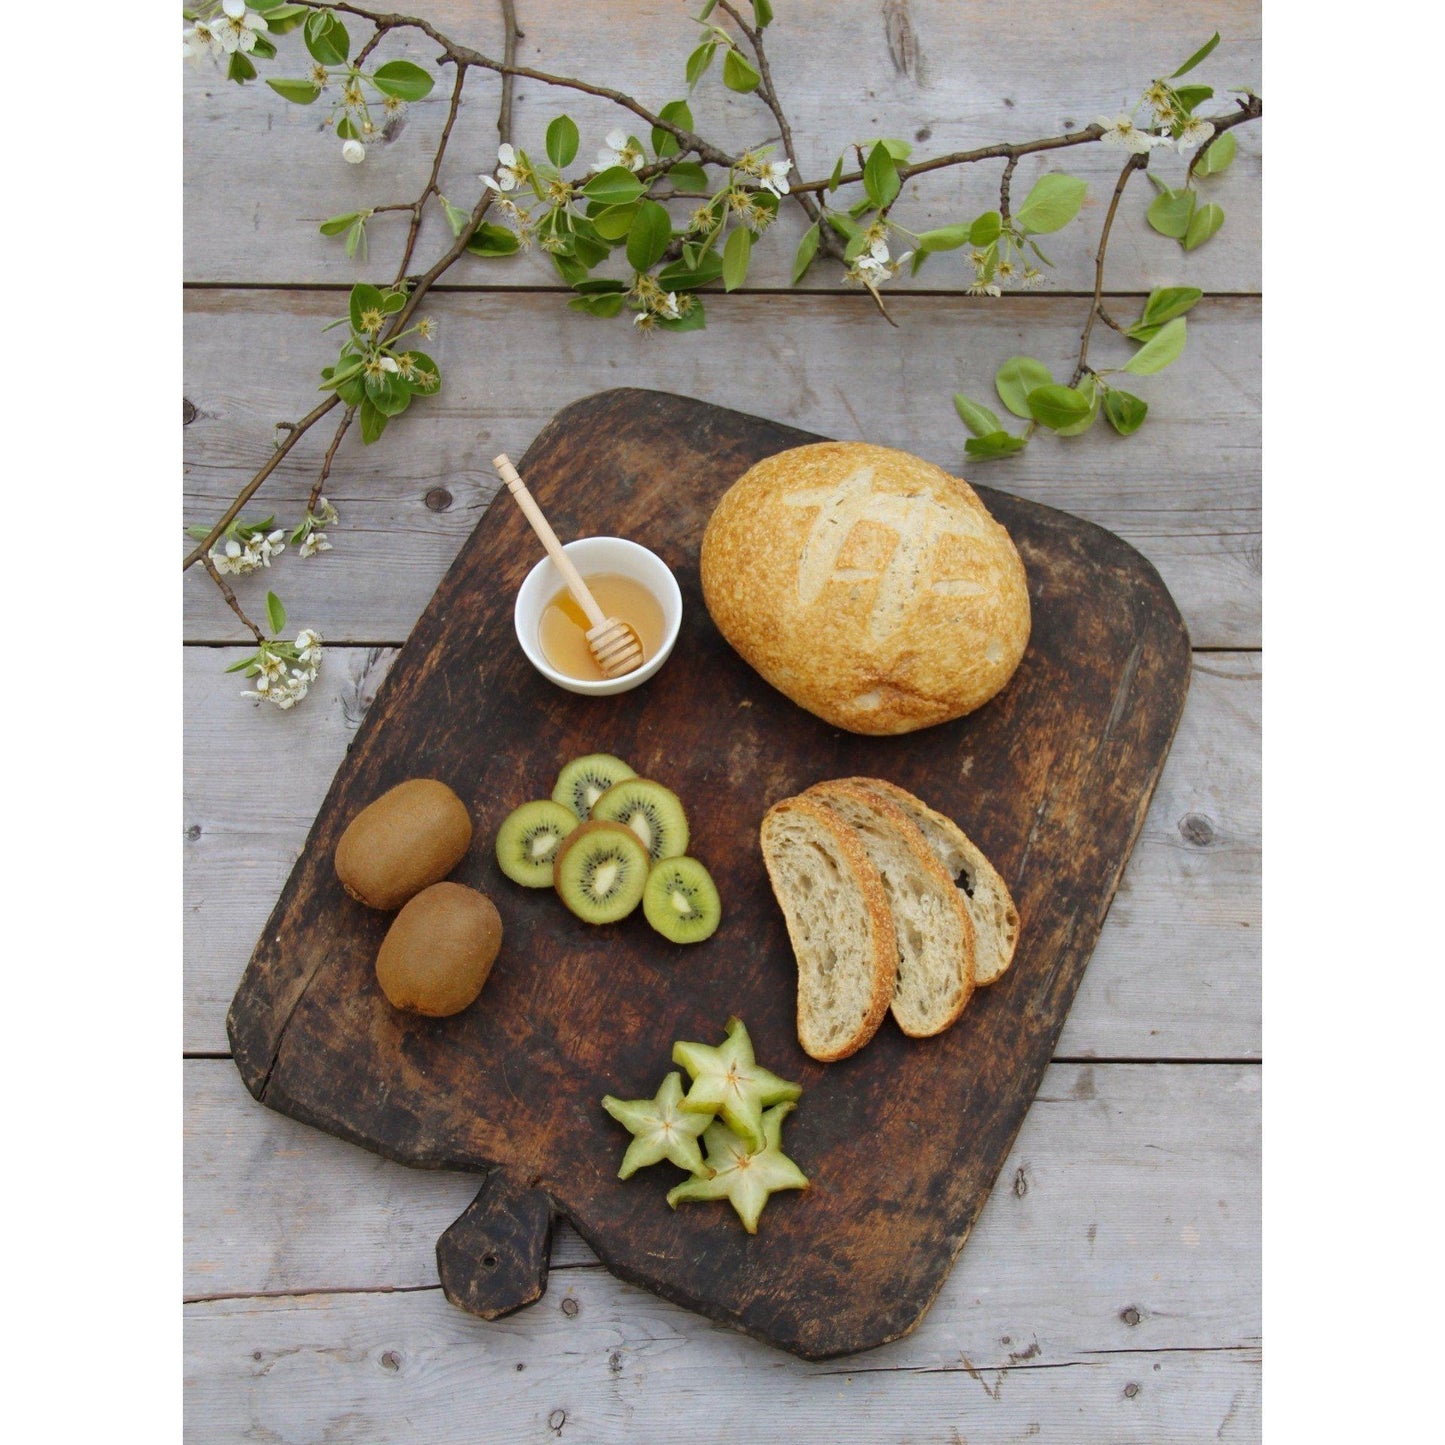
<point x="353" y="152"/>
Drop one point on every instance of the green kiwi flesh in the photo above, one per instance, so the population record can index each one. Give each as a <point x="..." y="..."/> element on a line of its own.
<point x="680" y="900"/>
<point x="528" y="840"/>
<point x="653" y="812"/>
<point x="584" y="780"/>
<point x="601" y="871"/>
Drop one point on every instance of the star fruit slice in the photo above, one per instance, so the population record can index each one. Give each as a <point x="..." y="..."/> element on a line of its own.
<point x="662" y="1129"/>
<point x="727" y="1081"/>
<point x="743" y="1176"/>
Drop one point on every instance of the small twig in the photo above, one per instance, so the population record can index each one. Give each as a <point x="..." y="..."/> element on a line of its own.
<point x="430" y="189"/>
<point x="1134" y="163"/>
<point x="1110" y="322"/>
<point x="509" y="57"/>
<point x="328" y="458"/>
<point x="1005" y="182"/>
<point x="230" y="597"/>
<point x="364" y="53"/>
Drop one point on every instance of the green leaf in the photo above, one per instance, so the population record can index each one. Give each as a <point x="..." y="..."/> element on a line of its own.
<point x="240" y="69"/>
<point x="986" y="229"/>
<point x="1201" y="54"/>
<point x="616" y="186"/>
<point x="945" y="238"/>
<point x="562" y="141"/>
<point x="570" y="270"/>
<point x="1053" y="202"/>
<point x="1159" y="351"/>
<point x="283" y="18"/>
<point x="490" y="240"/>
<point x="680" y="276"/>
<point x="1190" y="96"/>
<point x="356" y="239"/>
<point x="900" y="150"/>
<point x="245" y="662"/>
<point x="1169" y="212"/>
<point x="263" y="48"/>
<point x="698" y="62"/>
<point x="275" y="614"/>
<point x="762" y="13"/>
<point x="352" y="389"/>
<point x="335" y="225"/>
<point x="1057" y="406"/>
<point x="457" y="218"/>
<point x="388" y="393"/>
<point x="648" y="236"/>
<point x="1088" y="388"/>
<point x="614" y="222"/>
<point x="596" y="285"/>
<point x="1167" y="302"/>
<point x="836" y="179"/>
<point x="688" y="176"/>
<point x="403" y="80"/>
<point x="430" y="378"/>
<point x="1218" y="155"/>
<point x="995" y="444"/>
<point x="1016" y="378"/>
<point x="605" y="304"/>
<point x="392" y="302"/>
<point x="695" y="320"/>
<point x="675" y="112"/>
<point x="298" y="92"/>
<point x="363" y="298"/>
<point x="807" y="249"/>
<point x="1126" y="413"/>
<point x="738" y="73"/>
<point x="978" y="419"/>
<point x="1205" y="221"/>
<point x="373" y="422"/>
<point x="880" y="176"/>
<point x="844" y="225"/>
<point x="326" y="38"/>
<point x="736" y="254"/>
<point x="346" y="129"/>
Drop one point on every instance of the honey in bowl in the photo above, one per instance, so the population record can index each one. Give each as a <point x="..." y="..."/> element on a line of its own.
<point x="563" y="629"/>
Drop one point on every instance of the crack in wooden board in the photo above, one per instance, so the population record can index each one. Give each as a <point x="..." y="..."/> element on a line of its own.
<point x="903" y="1142"/>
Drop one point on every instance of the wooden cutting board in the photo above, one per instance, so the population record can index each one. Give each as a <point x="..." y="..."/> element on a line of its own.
<point x="903" y="1141"/>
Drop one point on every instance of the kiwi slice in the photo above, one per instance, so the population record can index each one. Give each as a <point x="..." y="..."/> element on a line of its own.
<point x="601" y="871"/>
<point x="681" y="900"/>
<point x="584" y="780"/>
<point x="653" y="812"/>
<point x="527" y="841"/>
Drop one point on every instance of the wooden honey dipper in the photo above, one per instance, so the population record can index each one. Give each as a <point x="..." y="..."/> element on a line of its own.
<point x="615" y="646"/>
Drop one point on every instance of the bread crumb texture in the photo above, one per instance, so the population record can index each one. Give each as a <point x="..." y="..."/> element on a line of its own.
<point x="867" y="585"/>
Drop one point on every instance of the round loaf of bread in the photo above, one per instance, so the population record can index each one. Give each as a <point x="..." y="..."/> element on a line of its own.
<point x="867" y="585"/>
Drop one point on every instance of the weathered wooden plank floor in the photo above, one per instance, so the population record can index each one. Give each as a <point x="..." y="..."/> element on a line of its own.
<point x="1110" y="1290"/>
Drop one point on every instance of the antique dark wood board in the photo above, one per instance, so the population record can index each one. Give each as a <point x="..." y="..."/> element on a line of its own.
<point x="903" y="1141"/>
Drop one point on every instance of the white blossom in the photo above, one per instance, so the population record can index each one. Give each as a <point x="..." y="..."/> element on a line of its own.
<point x="313" y="543"/>
<point x="619" y="151"/>
<point x="508" y="172"/>
<point x="325" y="513"/>
<point x="1196" y="131"/>
<point x="876" y="265"/>
<point x="668" y="307"/>
<point x="308" y="648"/>
<point x="982" y="287"/>
<point x="353" y="152"/>
<point x="239" y="28"/>
<point x="1121" y="131"/>
<point x="775" y="177"/>
<point x="202" y="40"/>
<point x="388" y="363"/>
<point x="1033" y="278"/>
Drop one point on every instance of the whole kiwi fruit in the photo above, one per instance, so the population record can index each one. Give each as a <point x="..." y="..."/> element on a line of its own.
<point x="439" y="950"/>
<point x="409" y="838"/>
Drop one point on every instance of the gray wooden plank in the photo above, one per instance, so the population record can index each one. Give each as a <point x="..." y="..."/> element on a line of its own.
<point x="1175" y="973"/>
<point x="1185" y="490"/>
<point x="1109" y="1291"/>
<point x="260" y="173"/>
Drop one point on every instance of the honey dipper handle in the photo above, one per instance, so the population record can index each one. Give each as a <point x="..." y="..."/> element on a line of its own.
<point x="533" y="513"/>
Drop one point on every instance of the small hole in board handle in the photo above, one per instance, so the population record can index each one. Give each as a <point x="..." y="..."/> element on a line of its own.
<point x="489" y="1261"/>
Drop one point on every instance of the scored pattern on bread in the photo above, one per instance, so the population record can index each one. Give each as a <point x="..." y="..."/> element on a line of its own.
<point x="932" y="926"/>
<point x="984" y="893"/>
<point x="839" y="924"/>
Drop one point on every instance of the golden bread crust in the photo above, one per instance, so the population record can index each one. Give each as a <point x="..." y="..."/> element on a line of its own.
<point x="867" y="585"/>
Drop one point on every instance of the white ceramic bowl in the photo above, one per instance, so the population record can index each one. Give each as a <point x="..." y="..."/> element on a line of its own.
<point x="592" y="555"/>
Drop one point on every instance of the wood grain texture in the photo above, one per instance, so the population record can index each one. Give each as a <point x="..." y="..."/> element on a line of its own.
<point x="1062" y="767"/>
<point x="261" y="174"/>
<point x="1175" y="973"/>
<point x="1129" y="1187"/>
<point x="1185" y="491"/>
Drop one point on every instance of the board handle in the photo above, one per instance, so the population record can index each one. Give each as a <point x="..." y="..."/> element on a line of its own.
<point x="493" y="1259"/>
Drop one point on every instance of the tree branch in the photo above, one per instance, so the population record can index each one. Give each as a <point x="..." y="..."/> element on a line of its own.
<point x="231" y="597"/>
<point x="1134" y="163"/>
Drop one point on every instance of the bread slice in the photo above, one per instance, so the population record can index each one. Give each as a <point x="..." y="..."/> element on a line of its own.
<point x="932" y="926"/>
<point x="995" y="918"/>
<point x="838" y="922"/>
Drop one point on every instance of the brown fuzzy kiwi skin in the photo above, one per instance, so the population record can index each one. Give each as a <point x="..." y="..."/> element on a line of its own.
<point x="439" y="950"/>
<point x="588" y="830"/>
<point x="407" y="839"/>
